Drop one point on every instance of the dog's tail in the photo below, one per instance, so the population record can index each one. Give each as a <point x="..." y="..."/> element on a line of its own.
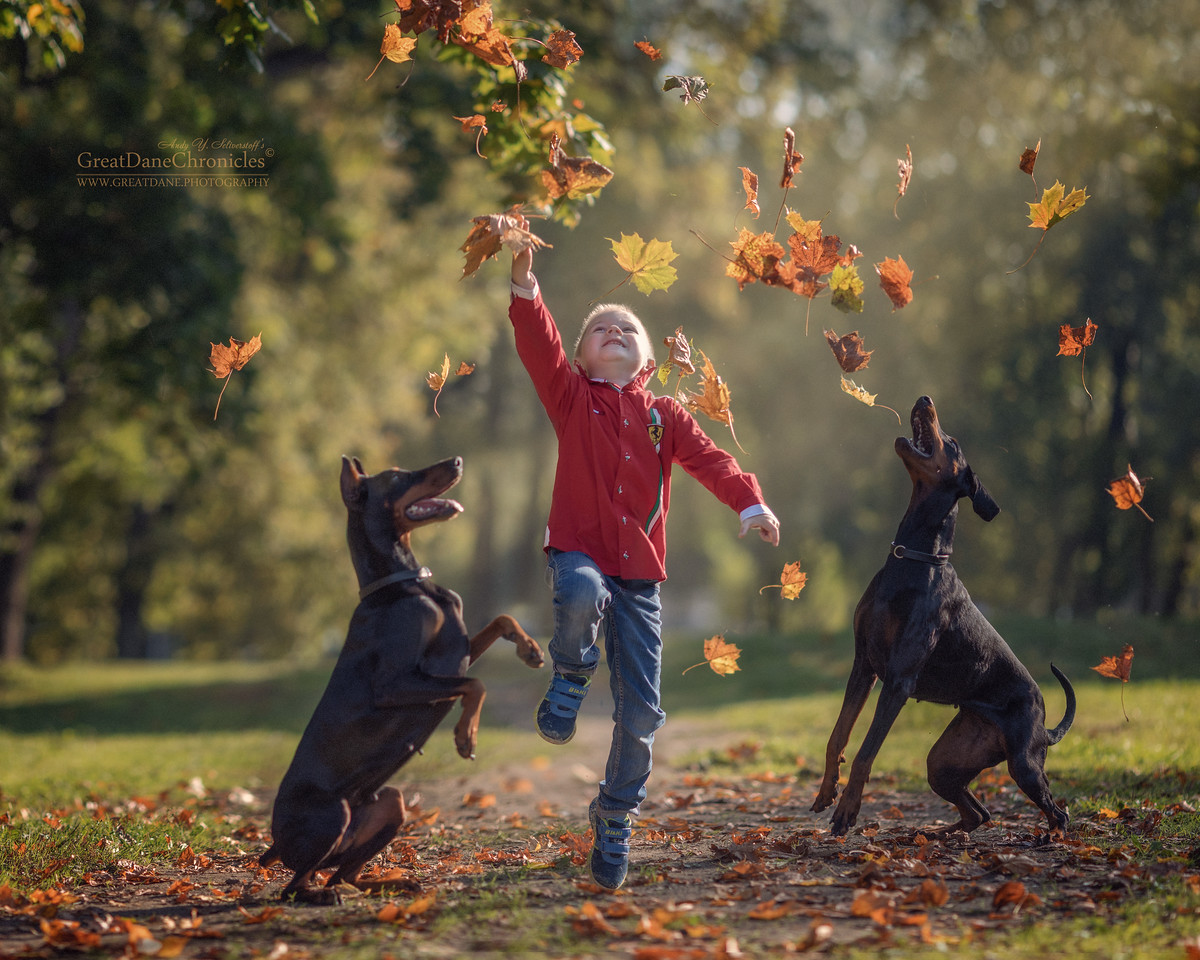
<point x="1069" y="716"/>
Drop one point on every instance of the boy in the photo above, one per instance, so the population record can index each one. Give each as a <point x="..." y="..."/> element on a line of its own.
<point x="605" y="538"/>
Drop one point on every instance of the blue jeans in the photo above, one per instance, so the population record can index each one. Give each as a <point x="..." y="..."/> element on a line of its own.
<point x="632" y="616"/>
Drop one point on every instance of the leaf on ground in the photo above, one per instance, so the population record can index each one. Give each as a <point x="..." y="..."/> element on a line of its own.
<point x="791" y="159"/>
<point x="494" y="231"/>
<point x="905" y="168"/>
<point x="848" y="350"/>
<point x="1128" y="491"/>
<point x="861" y="395"/>
<point x="561" y="49"/>
<point x="720" y="655"/>
<point x="895" y="277"/>
<point x="572" y="177"/>
<point x="226" y="359"/>
<point x="648" y="262"/>
<point x="791" y="581"/>
<point x="750" y="185"/>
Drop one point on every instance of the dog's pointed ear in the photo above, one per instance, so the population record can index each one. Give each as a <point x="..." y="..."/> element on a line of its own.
<point x="352" y="477"/>
<point x="981" y="500"/>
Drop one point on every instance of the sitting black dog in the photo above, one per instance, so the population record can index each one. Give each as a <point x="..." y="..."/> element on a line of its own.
<point x="917" y="629"/>
<point x="400" y="671"/>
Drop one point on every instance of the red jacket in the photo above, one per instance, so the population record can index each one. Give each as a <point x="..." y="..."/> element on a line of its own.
<point x="612" y="486"/>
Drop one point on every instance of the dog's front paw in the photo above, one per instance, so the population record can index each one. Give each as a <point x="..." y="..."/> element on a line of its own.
<point x="529" y="652"/>
<point x="465" y="738"/>
<point x="825" y="797"/>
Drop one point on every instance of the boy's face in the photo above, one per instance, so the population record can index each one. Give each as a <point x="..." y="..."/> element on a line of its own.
<point x="614" y="346"/>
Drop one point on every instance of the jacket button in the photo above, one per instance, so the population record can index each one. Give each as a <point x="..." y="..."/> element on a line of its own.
<point x="625" y="555"/>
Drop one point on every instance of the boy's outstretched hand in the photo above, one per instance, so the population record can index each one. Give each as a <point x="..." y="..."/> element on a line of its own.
<point x="766" y="525"/>
<point x="522" y="264"/>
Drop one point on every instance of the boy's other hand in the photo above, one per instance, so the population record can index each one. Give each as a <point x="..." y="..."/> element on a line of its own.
<point x="766" y="525"/>
<point x="522" y="268"/>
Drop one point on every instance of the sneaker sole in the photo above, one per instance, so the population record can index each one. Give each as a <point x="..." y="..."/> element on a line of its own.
<point x="537" y="727"/>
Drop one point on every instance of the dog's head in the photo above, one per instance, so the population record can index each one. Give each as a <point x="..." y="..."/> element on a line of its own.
<point x="935" y="462"/>
<point x="389" y="505"/>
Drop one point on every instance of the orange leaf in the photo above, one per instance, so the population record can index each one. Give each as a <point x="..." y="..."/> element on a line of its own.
<point x="681" y="352"/>
<point x="1072" y="340"/>
<point x="649" y="49"/>
<point x="894" y="277"/>
<point x="719" y="655"/>
<point x="475" y="122"/>
<point x="226" y="359"/>
<point x="750" y="185"/>
<point x="395" y="47"/>
<point x="848" y="350"/>
<point x="791" y="581"/>
<point x="562" y="50"/>
<point x="464" y="369"/>
<point x="1117" y="667"/>
<point x="437" y="379"/>
<point x="1128" y="491"/>
<point x="756" y="257"/>
<point x="715" y="401"/>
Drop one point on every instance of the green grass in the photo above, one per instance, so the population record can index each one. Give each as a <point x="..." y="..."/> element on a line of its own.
<point x="123" y="761"/>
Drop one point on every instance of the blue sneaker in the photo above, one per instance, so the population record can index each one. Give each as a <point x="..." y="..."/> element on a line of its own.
<point x="610" y="848"/>
<point x="556" y="713"/>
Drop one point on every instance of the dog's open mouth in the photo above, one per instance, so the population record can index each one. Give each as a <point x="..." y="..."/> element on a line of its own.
<point x="432" y="508"/>
<point x="922" y="438"/>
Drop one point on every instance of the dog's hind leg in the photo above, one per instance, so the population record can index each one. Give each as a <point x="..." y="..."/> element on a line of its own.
<point x="858" y="688"/>
<point x="967" y="747"/>
<point x="372" y="827"/>
<point x="1026" y="765"/>
<point x="305" y="842"/>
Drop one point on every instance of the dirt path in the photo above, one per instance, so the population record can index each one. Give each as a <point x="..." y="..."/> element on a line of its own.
<point x="495" y="860"/>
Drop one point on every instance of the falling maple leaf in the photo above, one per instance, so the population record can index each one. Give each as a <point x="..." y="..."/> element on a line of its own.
<point x="649" y="49"/>
<point x="791" y="159"/>
<point x="680" y="356"/>
<point x="848" y="350"/>
<point x="756" y="257"/>
<point x="494" y="231"/>
<point x="895" y="277"/>
<point x="1074" y="341"/>
<point x="791" y="581"/>
<point x="861" y="395"/>
<point x="561" y="49"/>
<point x="719" y="655"/>
<point x="715" y="399"/>
<point x="905" y="168"/>
<point x="750" y="185"/>
<point x="1056" y="205"/>
<point x="573" y="177"/>
<point x="476" y="122"/>
<point x="1128" y="491"/>
<point x="466" y="24"/>
<point x="1118" y="668"/>
<point x="226" y="359"/>
<point x="1028" y="158"/>
<point x="395" y="47"/>
<point x="646" y="262"/>
<point x="437" y="378"/>
<point x="691" y="89"/>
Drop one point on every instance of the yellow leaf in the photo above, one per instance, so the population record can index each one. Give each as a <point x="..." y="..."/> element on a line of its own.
<point x="861" y="395"/>
<point x="719" y="655"/>
<point x="791" y="581"/>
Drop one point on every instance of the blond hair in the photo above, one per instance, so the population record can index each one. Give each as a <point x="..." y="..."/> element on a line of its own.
<point x="618" y="308"/>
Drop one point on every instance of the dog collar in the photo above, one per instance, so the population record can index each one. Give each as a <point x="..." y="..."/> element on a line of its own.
<point x="422" y="573"/>
<point x="901" y="552"/>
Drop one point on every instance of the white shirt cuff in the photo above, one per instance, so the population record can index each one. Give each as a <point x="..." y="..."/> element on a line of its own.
<point x="525" y="293"/>
<point x="757" y="510"/>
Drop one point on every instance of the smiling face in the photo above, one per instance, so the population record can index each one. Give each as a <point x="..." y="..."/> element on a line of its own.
<point x="613" y="345"/>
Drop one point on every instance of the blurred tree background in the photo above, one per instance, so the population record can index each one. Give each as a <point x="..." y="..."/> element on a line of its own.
<point x="133" y="524"/>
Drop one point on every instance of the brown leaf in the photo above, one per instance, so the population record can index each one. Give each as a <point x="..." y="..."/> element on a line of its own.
<point x="681" y="351"/>
<point x="894" y="277"/>
<point x="573" y="177"/>
<point x="750" y="185"/>
<point x="561" y="49"/>
<point x="1128" y="491"/>
<point x="791" y="581"/>
<point x="475" y="122"/>
<point x="1117" y="668"/>
<point x="905" y="169"/>
<point x="719" y="655"/>
<point x="226" y="359"/>
<point x="494" y="231"/>
<point x="1028" y="159"/>
<point x="395" y="47"/>
<point x="791" y="159"/>
<point x="848" y="350"/>
<point x="715" y="400"/>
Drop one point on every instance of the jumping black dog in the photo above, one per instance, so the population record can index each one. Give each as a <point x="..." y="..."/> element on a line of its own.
<point x="399" y="673"/>
<point x="917" y="629"/>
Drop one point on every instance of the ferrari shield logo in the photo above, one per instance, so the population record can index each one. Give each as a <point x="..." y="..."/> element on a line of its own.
<point x="656" y="433"/>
